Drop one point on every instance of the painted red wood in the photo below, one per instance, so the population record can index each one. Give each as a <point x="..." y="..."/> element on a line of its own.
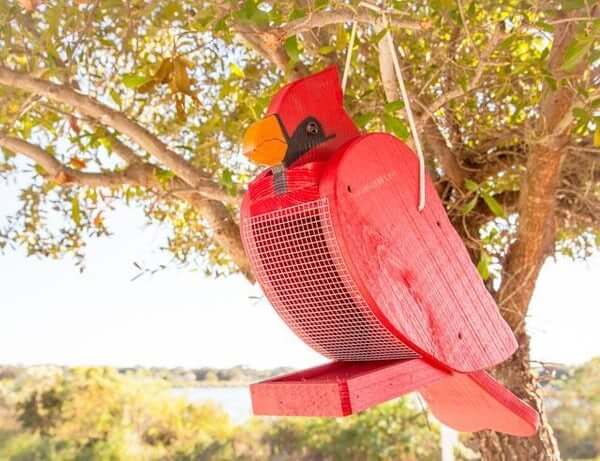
<point x="465" y="402"/>
<point x="341" y="388"/>
<point x="475" y="401"/>
<point x="302" y="184"/>
<point x="412" y="264"/>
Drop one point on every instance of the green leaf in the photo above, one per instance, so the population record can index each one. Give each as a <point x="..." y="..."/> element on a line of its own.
<point x="134" y="81"/>
<point x="106" y="142"/>
<point x="227" y="178"/>
<point x="341" y="41"/>
<point x="493" y="205"/>
<point x="220" y="26"/>
<point x="471" y="186"/>
<point x="251" y="13"/>
<point x="442" y="5"/>
<point x="483" y="266"/>
<point x="327" y="49"/>
<point x="362" y="119"/>
<point x="170" y="10"/>
<point x="40" y="170"/>
<point x="396" y="126"/>
<point x="379" y="35"/>
<point x="292" y="49"/>
<point x="576" y="51"/>
<point x="393" y="106"/>
<point x="320" y="4"/>
<point x="570" y="5"/>
<point x="236" y="70"/>
<point x="468" y="207"/>
<point x="296" y="13"/>
<point x="164" y="176"/>
<point x="581" y="113"/>
<point x="75" y="211"/>
<point x="116" y="97"/>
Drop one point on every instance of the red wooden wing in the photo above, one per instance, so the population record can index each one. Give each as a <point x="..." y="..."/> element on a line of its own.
<point x="411" y="266"/>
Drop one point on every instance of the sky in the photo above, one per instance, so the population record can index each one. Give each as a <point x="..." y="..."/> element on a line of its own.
<point x="51" y="313"/>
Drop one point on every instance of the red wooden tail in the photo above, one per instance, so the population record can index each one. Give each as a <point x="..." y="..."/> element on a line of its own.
<point x="476" y="401"/>
<point x="466" y="402"/>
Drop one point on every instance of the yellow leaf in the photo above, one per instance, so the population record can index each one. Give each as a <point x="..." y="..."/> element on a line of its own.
<point x="236" y="70"/>
<point x="195" y="99"/>
<point x="147" y="87"/>
<point x="77" y="163"/>
<point x="180" y="106"/>
<point x="99" y="220"/>
<point x="597" y="137"/>
<point x="188" y="63"/>
<point x="163" y="74"/>
<point x="173" y="84"/>
<point x="182" y="80"/>
<point x="75" y="211"/>
<point x="61" y="178"/>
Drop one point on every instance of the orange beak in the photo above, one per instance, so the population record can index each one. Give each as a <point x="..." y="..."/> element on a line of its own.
<point x="265" y="142"/>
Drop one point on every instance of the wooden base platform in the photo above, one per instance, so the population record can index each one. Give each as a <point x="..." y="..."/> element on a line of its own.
<point x="466" y="402"/>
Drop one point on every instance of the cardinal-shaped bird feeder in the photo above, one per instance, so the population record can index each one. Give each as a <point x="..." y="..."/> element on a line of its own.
<point x="387" y="292"/>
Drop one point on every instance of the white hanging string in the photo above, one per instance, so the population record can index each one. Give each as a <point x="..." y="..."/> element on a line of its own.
<point x="410" y="116"/>
<point x="398" y="72"/>
<point x="348" y="57"/>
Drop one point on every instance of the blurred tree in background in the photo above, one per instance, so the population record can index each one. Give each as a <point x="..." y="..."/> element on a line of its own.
<point x="97" y="413"/>
<point x="574" y="409"/>
<point x="143" y="103"/>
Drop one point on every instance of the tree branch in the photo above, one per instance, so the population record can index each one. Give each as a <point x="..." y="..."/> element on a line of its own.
<point x="439" y="147"/>
<point x="446" y="97"/>
<point x="116" y="120"/>
<point x="212" y="197"/>
<point x="537" y="202"/>
<point x="341" y="15"/>
<point x="137" y="174"/>
<point x="142" y="174"/>
<point x="436" y="143"/>
<point x="268" y="43"/>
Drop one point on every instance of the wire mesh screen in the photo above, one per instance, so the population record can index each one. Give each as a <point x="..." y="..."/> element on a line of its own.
<point x="298" y="263"/>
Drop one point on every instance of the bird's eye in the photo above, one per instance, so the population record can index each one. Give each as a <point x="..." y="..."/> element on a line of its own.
<point x="312" y="128"/>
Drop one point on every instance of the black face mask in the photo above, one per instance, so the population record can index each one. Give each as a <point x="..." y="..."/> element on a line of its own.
<point x="307" y="135"/>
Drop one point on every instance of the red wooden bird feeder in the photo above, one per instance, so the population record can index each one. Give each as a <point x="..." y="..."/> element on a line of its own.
<point x="387" y="292"/>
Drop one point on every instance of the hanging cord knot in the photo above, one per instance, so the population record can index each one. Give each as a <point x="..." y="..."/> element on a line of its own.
<point x="398" y="72"/>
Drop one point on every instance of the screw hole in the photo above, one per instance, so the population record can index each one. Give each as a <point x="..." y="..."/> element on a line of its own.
<point x="349" y="189"/>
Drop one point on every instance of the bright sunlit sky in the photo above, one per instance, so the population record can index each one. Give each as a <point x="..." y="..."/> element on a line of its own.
<point x="50" y="313"/>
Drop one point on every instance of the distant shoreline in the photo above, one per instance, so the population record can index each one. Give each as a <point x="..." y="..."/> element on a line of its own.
<point x="206" y="384"/>
<point x="205" y="377"/>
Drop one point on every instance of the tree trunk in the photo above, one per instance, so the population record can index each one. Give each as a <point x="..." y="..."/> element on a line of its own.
<point x="535" y="240"/>
<point x="515" y="373"/>
<point x="533" y="243"/>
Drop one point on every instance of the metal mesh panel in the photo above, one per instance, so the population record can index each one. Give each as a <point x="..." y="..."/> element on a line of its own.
<point x="298" y="263"/>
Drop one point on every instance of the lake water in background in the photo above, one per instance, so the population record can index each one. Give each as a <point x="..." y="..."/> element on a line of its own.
<point x="234" y="400"/>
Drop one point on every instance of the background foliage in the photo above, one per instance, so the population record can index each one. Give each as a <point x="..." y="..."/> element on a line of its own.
<point x="186" y="71"/>
<point x="54" y="414"/>
<point x="97" y="413"/>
